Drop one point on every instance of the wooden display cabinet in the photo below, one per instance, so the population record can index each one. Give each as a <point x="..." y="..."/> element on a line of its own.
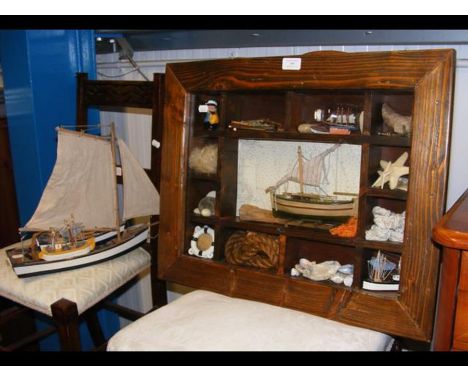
<point x="416" y="83"/>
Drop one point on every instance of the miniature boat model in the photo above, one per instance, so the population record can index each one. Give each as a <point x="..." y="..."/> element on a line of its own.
<point x="314" y="206"/>
<point x="44" y="239"/>
<point x="25" y="263"/>
<point x="89" y="196"/>
<point x="342" y="119"/>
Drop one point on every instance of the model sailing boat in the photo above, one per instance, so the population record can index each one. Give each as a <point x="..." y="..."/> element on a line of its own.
<point x="313" y="206"/>
<point x="77" y="221"/>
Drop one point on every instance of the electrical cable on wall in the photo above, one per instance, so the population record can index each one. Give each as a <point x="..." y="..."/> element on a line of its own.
<point x="126" y="52"/>
<point x="117" y="75"/>
<point x="135" y="65"/>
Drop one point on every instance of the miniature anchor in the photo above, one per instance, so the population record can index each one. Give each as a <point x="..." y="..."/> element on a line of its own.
<point x="392" y="172"/>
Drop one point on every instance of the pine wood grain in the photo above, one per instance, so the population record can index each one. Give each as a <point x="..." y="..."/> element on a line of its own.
<point x="427" y="76"/>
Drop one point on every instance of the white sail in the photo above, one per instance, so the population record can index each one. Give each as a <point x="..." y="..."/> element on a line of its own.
<point x="313" y="170"/>
<point x="82" y="183"/>
<point x="140" y="197"/>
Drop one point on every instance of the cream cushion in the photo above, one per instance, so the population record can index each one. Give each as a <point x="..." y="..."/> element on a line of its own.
<point x="204" y="321"/>
<point x="85" y="286"/>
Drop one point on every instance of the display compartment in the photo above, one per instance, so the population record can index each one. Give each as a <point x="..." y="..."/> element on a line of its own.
<point x="399" y="106"/>
<point x="394" y="157"/>
<point x="255" y="106"/>
<point x="200" y="240"/>
<point x="381" y="271"/>
<point x="198" y="189"/>
<point x="320" y="252"/>
<point x="251" y="249"/>
<point x="201" y="122"/>
<point x="305" y="107"/>
<point x="384" y="229"/>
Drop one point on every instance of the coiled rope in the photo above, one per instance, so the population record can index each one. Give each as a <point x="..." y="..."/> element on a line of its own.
<point x="251" y="248"/>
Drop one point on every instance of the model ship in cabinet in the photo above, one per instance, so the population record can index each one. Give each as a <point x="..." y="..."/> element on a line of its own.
<point x="417" y="85"/>
<point x="303" y="205"/>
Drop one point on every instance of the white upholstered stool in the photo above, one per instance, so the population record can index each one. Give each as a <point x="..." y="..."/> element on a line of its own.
<point x="66" y="295"/>
<point x="204" y="321"/>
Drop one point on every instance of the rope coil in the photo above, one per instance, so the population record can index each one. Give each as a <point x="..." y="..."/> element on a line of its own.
<point x="251" y="248"/>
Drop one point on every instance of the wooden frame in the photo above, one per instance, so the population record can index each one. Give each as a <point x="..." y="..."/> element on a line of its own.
<point x="428" y="74"/>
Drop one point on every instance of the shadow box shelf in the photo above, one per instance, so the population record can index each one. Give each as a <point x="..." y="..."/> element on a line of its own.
<point x="413" y="83"/>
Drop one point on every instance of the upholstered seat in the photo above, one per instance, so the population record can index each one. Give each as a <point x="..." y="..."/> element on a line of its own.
<point x="83" y="286"/>
<point x="204" y="321"/>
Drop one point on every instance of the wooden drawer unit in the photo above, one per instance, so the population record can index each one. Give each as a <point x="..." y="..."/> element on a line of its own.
<point x="460" y="331"/>
<point x="451" y="330"/>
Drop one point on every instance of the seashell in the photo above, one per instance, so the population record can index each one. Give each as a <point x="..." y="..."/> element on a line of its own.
<point x="377" y="233"/>
<point x="337" y="278"/>
<point x="381" y="211"/>
<point x="348" y="281"/>
<point x="196" y="211"/>
<point x="400" y="124"/>
<point x="305" y="263"/>
<point x="205" y="212"/>
<point x="295" y="272"/>
<point x="347" y="269"/>
<point x="322" y="271"/>
<point x="396" y="236"/>
<point x="305" y="128"/>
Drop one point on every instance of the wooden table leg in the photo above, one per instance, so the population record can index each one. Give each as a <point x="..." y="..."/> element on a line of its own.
<point x="65" y="316"/>
<point x="94" y="327"/>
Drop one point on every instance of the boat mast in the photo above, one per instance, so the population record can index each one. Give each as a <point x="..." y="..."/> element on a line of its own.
<point x="114" y="166"/>
<point x="300" y="170"/>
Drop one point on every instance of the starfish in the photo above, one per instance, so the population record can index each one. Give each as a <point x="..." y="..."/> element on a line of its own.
<point x="392" y="172"/>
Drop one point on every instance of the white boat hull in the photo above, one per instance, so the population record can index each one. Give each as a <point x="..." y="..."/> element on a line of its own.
<point x="96" y="256"/>
<point x="307" y="209"/>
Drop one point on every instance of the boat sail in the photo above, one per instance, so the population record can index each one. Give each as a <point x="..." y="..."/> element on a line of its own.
<point x="316" y="206"/>
<point x="83" y="188"/>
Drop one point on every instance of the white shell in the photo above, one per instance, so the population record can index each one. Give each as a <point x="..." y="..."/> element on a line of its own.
<point x="337" y="278"/>
<point x="294" y="272"/>
<point x="317" y="272"/>
<point x="205" y="212"/>
<point x="347" y="269"/>
<point x="305" y="128"/>
<point x="388" y="225"/>
<point x="196" y="211"/>
<point x="348" y="281"/>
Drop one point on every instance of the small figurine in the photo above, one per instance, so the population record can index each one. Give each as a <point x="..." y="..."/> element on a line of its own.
<point x="211" y="117"/>
<point x="206" y="205"/>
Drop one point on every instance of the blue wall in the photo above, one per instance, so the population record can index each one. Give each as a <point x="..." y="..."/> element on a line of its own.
<point x="39" y="74"/>
<point x="39" y="68"/>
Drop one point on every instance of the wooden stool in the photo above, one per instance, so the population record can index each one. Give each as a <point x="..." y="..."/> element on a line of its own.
<point x="207" y="321"/>
<point x="67" y="296"/>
